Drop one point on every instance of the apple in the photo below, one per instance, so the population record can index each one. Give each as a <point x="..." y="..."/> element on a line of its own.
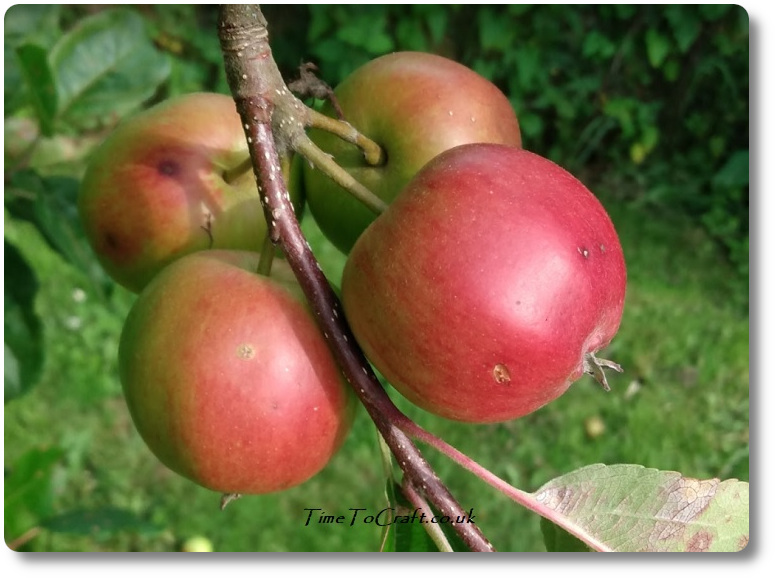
<point x="414" y="105"/>
<point x="228" y="379"/>
<point x="166" y="182"/>
<point x="488" y="285"/>
<point x="197" y="544"/>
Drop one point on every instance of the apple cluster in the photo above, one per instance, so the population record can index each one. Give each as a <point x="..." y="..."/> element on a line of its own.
<point x="481" y="293"/>
<point x="225" y="373"/>
<point x="494" y="276"/>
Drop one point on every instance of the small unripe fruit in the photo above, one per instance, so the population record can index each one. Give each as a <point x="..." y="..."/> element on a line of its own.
<point x="197" y="544"/>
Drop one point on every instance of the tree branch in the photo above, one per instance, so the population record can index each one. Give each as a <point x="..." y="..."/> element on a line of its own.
<point x="273" y="121"/>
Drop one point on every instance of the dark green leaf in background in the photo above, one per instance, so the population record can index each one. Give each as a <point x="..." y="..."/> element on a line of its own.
<point x="657" y="47"/>
<point x="686" y="29"/>
<point x="735" y="172"/>
<point x="100" y="522"/>
<point x="36" y="24"/>
<point x="51" y="204"/>
<point x="40" y="85"/>
<point x="23" y="330"/>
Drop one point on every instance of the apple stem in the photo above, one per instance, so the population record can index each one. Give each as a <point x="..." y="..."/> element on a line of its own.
<point x="267" y="257"/>
<point x="232" y="174"/>
<point x="372" y="152"/>
<point x="254" y="81"/>
<point x="325" y="163"/>
<point x="227" y="499"/>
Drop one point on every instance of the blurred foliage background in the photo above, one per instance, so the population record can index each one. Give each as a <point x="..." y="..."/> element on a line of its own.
<point x="647" y="104"/>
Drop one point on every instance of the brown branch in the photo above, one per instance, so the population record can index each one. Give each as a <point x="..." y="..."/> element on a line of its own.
<point x="271" y="118"/>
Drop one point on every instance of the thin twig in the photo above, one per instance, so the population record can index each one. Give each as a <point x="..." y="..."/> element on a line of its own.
<point x="434" y="530"/>
<point x="323" y="161"/>
<point x="372" y="152"/>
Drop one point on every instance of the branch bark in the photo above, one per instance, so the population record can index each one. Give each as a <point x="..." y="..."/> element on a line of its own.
<point x="274" y="122"/>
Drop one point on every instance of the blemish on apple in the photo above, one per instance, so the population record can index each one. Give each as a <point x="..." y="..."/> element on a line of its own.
<point x="501" y="374"/>
<point x="111" y="241"/>
<point x="168" y="168"/>
<point x="246" y="351"/>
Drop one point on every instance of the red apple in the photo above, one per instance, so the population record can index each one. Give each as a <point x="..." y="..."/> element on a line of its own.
<point x="228" y="379"/>
<point x="486" y="288"/>
<point x="415" y="105"/>
<point x="161" y="186"/>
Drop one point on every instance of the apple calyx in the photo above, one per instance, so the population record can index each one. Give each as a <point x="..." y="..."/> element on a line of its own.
<point x="228" y="498"/>
<point x="593" y="366"/>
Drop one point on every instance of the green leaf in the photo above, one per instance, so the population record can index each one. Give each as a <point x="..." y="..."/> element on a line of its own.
<point x="51" y="203"/>
<point x="412" y="537"/>
<point x="531" y="124"/>
<point x="367" y="31"/>
<point x="28" y="490"/>
<point x="408" y="532"/>
<point x="411" y="36"/>
<point x="671" y="70"/>
<point x="530" y="69"/>
<point x="100" y="522"/>
<point x="657" y="47"/>
<point x="36" y="24"/>
<point x="621" y="109"/>
<point x="410" y="527"/>
<point x="630" y="508"/>
<point x="106" y="66"/>
<point x="23" y="330"/>
<point x="495" y="32"/>
<point x="33" y="24"/>
<point x="596" y="44"/>
<point x="735" y="172"/>
<point x="686" y="24"/>
<point x="436" y="19"/>
<point x="714" y="11"/>
<point x="40" y="85"/>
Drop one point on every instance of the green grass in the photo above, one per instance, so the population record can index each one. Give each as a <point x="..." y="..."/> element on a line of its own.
<point x="681" y="404"/>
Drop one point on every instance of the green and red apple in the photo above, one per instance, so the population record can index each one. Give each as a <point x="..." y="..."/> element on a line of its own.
<point x="414" y="105"/>
<point x="227" y="377"/>
<point x="168" y="181"/>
